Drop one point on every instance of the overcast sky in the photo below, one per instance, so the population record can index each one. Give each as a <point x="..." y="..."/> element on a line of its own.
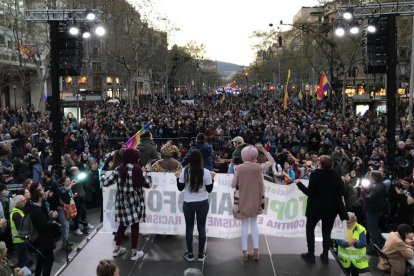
<point x="224" y="26"/>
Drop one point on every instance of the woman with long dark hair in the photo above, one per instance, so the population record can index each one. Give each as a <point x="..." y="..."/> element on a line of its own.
<point x="129" y="200"/>
<point x="196" y="182"/>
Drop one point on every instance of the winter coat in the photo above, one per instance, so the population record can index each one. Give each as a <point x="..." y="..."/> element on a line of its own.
<point x="129" y="200"/>
<point x="148" y="151"/>
<point x="398" y="252"/>
<point x="207" y="153"/>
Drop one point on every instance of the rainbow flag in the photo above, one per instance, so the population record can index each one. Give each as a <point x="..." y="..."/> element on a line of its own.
<point x="134" y="140"/>
<point x="323" y="86"/>
<point x="286" y="96"/>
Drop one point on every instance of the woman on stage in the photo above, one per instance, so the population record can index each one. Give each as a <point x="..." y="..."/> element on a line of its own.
<point x="130" y="201"/>
<point x="248" y="180"/>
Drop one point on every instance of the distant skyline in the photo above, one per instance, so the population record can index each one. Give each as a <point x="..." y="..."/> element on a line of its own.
<point x="224" y="26"/>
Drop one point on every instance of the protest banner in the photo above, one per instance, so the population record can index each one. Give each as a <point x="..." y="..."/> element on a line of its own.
<point x="284" y="213"/>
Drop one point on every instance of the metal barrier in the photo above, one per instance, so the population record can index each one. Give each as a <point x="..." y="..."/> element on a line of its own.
<point x="176" y="141"/>
<point x="217" y="142"/>
<point x="14" y="187"/>
<point x="117" y="141"/>
<point x="33" y="140"/>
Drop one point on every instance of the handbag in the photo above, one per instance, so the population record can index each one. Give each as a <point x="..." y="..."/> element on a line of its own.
<point x="70" y="210"/>
<point x="236" y="201"/>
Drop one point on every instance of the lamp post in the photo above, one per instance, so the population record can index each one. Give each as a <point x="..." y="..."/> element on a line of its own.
<point x="55" y="18"/>
<point x="14" y="92"/>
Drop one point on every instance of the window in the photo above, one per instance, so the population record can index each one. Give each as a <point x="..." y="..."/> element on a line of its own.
<point x="95" y="52"/>
<point x="96" y="66"/>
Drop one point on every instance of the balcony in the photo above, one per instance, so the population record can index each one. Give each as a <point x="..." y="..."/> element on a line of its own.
<point x="9" y="57"/>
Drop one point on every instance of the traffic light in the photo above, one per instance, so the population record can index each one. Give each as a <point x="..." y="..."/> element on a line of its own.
<point x="70" y="54"/>
<point x="374" y="48"/>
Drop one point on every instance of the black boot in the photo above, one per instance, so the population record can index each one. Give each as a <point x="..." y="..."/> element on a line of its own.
<point x="308" y="257"/>
<point x="324" y="258"/>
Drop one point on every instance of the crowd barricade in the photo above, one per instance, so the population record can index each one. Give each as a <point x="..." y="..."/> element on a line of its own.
<point x="33" y="140"/>
<point x="14" y="187"/>
<point x="176" y="141"/>
<point x="116" y="142"/>
<point x="217" y="142"/>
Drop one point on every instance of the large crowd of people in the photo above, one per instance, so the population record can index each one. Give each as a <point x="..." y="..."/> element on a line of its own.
<point x="220" y="131"/>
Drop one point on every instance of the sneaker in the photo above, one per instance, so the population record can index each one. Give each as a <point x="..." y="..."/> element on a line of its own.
<point x="189" y="256"/>
<point x="324" y="258"/>
<point x="307" y="257"/>
<point x="119" y="252"/>
<point x="137" y="255"/>
<point x="201" y="257"/>
<point x="78" y="232"/>
<point x="89" y="226"/>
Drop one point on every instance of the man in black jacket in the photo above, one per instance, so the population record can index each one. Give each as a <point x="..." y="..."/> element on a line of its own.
<point x="325" y="191"/>
<point x="40" y="218"/>
<point x="375" y="196"/>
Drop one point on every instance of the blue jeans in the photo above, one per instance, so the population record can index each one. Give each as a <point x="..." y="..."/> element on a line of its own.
<point x="65" y="225"/>
<point x="192" y="209"/>
<point x="374" y="231"/>
<point x="24" y="257"/>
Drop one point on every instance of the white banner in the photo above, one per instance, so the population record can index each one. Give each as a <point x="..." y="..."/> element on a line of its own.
<point x="284" y="213"/>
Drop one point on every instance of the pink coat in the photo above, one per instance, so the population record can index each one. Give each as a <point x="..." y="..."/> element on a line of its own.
<point x="248" y="176"/>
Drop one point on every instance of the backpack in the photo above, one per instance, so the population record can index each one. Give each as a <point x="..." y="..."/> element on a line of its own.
<point x="27" y="231"/>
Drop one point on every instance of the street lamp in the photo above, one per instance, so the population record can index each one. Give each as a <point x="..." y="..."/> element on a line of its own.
<point x="14" y="92"/>
<point x="354" y="28"/>
<point x="340" y="30"/>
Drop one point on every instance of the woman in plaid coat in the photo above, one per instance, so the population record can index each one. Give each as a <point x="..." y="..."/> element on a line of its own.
<point x="129" y="200"/>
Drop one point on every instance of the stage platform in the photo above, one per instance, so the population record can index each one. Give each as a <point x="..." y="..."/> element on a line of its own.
<point x="163" y="256"/>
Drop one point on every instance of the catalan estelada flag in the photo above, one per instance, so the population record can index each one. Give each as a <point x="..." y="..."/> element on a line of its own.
<point x="323" y="86"/>
<point x="285" y="95"/>
<point x="134" y="140"/>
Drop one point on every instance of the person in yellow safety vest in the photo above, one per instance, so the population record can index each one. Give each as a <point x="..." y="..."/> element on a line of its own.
<point x="16" y="216"/>
<point x="352" y="251"/>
